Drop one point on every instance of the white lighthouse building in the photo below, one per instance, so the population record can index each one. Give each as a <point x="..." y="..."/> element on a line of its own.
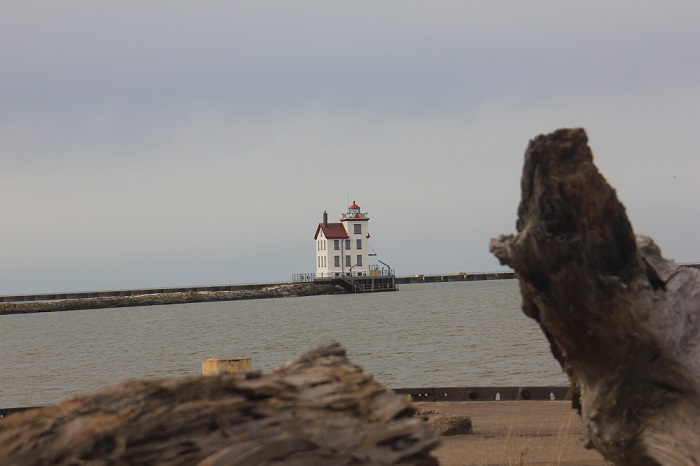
<point x="341" y="247"/>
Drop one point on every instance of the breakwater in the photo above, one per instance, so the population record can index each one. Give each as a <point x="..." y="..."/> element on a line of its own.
<point x="139" y="292"/>
<point x="477" y="276"/>
<point x="81" y="301"/>
<point x="455" y="277"/>
<point x="190" y="290"/>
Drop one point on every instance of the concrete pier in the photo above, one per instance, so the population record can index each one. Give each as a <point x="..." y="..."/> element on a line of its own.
<point x="152" y="299"/>
<point x="354" y="284"/>
<point x="376" y="283"/>
<point x="455" y="277"/>
<point x="137" y="292"/>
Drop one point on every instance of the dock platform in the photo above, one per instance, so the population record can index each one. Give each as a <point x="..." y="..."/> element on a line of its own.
<point x="364" y="284"/>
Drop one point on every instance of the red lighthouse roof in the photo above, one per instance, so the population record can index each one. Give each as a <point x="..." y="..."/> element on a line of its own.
<point x="354" y="206"/>
<point x="332" y="231"/>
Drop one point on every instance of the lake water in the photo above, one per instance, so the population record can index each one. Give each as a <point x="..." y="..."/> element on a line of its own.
<point x="425" y="335"/>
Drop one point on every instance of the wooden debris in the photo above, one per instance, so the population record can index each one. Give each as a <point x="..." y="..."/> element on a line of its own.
<point x="447" y="424"/>
<point x="317" y="410"/>
<point x="623" y="321"/>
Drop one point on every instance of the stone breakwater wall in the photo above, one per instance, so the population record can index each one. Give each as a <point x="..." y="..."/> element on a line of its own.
<point x="275" y="291"/>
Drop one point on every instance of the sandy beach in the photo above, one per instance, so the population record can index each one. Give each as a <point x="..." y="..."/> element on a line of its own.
<point x="515" y="433"/>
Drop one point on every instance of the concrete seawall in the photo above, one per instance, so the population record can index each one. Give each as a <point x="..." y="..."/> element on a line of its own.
<point x="455" y="277"/>
<point x="476" y="276"/>
<point x="177" y="297"/>
<point x="139" y="292"/>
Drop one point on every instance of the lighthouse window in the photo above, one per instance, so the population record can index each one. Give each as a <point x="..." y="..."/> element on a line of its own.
<point x="336" y="244"/>
<point x="359" y="261"/>
<point x="358" y="244"/>
<point x="337" y="261"/>
<point x="358" y="228"/>
<point x="347" y="244"/>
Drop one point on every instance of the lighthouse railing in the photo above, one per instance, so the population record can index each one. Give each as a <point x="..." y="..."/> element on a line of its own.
<point x="313" y="276"/>
<point x="303" y="277"/>
<point x="351" y="216"/>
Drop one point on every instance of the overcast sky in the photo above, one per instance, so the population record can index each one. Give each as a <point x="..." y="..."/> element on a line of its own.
<point x="184" y="143"/>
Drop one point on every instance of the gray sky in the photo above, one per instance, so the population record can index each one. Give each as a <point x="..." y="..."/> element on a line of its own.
<point x="183" y="143"/>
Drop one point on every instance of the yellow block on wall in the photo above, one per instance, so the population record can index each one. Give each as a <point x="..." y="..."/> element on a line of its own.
<point x="215" y="366"/>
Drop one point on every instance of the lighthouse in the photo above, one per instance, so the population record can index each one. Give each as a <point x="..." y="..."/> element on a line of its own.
<point x="341" y="247"/>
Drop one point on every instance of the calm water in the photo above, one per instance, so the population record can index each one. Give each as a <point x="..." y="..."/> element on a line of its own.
<point x="441" y="334"/>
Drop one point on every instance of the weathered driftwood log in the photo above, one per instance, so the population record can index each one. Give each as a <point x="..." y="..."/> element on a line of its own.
<point x="623" y="322"/>
<point x="317" y="410"/>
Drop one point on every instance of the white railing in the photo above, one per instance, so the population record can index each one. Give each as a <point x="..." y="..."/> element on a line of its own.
<point x="311" y="276"/>
<point x="351" y="216"/>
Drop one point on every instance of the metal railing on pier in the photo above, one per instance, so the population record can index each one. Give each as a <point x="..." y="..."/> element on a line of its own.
<point x="534" y="393"/>
<point x="303" y="277"/>
<point x="313" y="276"/>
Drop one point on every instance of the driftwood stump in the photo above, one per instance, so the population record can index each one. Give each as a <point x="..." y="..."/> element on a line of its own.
<point x="317" y="410"/>
<point x="623" y="321"/>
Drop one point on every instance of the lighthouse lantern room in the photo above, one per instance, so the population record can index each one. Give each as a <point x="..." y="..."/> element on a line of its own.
<point x="341" y="247"/>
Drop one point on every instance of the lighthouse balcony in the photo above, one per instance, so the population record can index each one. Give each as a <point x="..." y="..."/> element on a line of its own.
<point x="351" y="215"/>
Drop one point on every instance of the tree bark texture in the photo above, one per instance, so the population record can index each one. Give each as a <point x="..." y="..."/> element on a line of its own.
<point x="623" y="322"/>
<point x="317" y="410"/>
